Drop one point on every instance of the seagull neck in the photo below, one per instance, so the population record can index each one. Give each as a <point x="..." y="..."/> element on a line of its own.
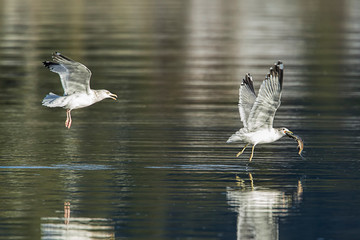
<point x="277" y="133"/>
<point x="95" y="95"/>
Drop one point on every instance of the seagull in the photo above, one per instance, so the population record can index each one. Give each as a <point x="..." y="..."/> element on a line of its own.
<point x="257" y="112"/>
<point x="75" y="80"/>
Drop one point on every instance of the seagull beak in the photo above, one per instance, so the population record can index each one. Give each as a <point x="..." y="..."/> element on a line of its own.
<point x="113" y="96"/>
<point x="290" y="134"/>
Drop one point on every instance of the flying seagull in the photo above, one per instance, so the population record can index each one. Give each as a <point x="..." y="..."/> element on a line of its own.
<point x="75" y="80"/>
<point x="257" y="113"/>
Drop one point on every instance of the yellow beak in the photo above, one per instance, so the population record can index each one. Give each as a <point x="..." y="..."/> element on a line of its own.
<point x="113" y="96"/>
<point x="289" y="134"/>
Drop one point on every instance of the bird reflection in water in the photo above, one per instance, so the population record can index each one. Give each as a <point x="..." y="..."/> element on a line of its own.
<point x="66" y="212"/>
<point x="76" y="227"/>
<point x="241" y="183"/>
<point x="259" y="208"/>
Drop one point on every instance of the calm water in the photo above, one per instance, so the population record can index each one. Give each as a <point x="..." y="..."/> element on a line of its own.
<point x="154" y="164"/>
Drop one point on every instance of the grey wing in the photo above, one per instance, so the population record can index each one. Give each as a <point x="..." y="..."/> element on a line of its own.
<point x="268" y="101"/>
<point x="247" y="98"/>
<point x="75" y="77"/>
<point x="59" y="69"/>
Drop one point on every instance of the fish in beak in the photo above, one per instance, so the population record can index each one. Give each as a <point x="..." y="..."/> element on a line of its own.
<point x="298" y="139"/>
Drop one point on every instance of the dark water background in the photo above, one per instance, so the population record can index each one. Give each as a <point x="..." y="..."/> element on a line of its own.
<point x="154" y="164"/>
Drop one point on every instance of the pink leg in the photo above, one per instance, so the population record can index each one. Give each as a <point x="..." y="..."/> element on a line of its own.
<point x="68" y="118"/>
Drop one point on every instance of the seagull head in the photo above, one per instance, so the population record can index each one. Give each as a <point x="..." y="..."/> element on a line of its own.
<point x="106" y="94"/>
<point x="284" y="131"/>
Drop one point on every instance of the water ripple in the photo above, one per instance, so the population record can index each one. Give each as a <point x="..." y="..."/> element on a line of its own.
<point x="77" y="167"/>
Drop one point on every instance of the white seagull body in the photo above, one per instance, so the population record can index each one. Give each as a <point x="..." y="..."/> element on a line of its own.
<point x="75" y="80"/>
<point x="257" y="112"/>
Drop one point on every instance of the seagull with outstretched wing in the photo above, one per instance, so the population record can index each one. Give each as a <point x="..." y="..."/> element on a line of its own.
<point x="75" y="80"/>
<point x="257" y="113"/>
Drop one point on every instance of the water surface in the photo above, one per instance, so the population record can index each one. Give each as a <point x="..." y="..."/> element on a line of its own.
<point x="154" y="164"/>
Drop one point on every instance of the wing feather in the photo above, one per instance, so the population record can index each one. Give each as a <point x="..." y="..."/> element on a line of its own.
<point x="268" y="101"/>
<point x="59" y="69"/>
<point x="74" y="76"/>
<point x="247" y="98"/>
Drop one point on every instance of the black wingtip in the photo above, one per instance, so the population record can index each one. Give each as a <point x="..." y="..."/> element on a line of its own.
<point x="248" y="81"/>
<point x="58" y="55"/>
<point x="278" y="69"/>
<point x="47" y="64"/>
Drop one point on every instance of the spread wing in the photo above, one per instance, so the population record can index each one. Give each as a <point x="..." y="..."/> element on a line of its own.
<point x="74" y="76"/>
<point x="247" y="98"/>
<point x="268" y="101"/>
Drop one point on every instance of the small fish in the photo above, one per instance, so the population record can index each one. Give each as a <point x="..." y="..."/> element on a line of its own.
<point x="300" y="145"/>
<point x="299" y="141"/>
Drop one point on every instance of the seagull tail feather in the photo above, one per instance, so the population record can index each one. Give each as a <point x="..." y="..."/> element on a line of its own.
<point x="234" y="138"/>
<point x="49" y="100"/>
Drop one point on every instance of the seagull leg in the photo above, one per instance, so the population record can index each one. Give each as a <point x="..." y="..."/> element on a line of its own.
<point x="252" y="153"/>
<point x="68" y="118"/>
<point x="239" y="153"/>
